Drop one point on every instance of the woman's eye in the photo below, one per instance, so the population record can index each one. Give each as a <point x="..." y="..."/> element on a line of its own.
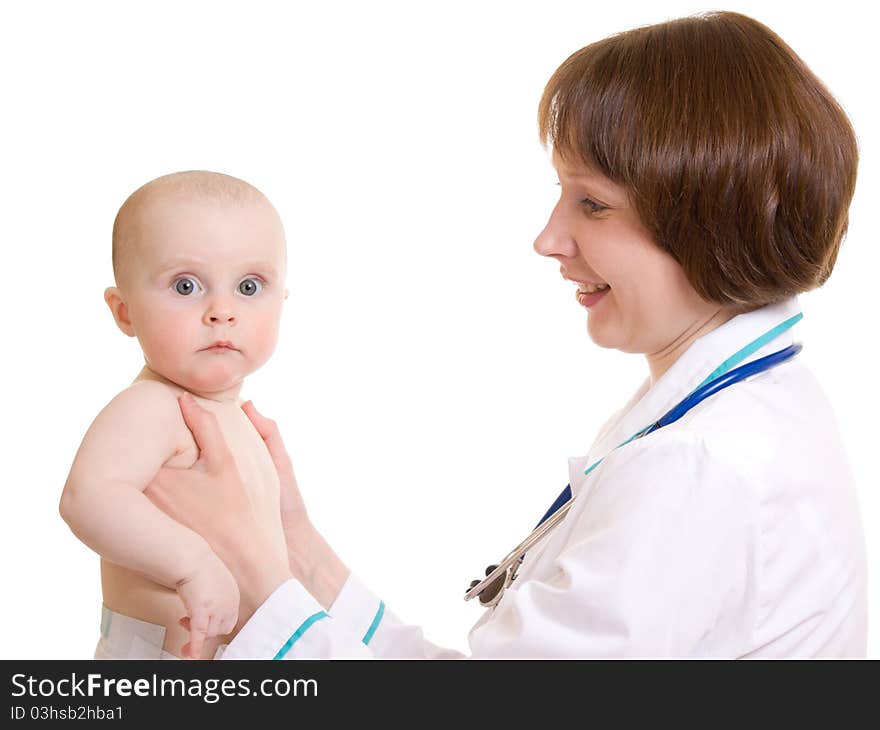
<point x="185" y="285"/>
<point x="250" y="286"/>
<point x="592" y="206"/>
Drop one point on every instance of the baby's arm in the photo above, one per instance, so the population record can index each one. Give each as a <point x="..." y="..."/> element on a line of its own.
<point x="104" y="504"/>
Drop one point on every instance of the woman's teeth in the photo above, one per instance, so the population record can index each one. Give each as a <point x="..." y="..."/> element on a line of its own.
<point x="590" y="288"/>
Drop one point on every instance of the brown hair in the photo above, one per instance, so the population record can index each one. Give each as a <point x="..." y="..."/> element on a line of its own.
<point x="737" y="159"/>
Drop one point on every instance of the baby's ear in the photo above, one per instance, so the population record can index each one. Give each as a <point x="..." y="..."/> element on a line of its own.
<point x="113" y="297"/>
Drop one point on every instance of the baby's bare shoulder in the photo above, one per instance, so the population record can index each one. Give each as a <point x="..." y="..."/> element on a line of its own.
<point x="142" y="425"/>
<point x="146" y="399"/>
<point x="140" y="430"/>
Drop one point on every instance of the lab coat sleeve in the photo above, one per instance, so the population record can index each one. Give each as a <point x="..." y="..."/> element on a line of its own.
<point x="291" y="624"/>
<point x="660" y="560"/>
<point x="386" y="634"/>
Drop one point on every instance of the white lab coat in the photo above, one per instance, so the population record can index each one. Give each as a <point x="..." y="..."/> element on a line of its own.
<point x="733" y="532"/>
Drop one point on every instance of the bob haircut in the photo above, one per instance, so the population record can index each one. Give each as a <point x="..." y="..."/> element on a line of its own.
<point x="739" y="162"/>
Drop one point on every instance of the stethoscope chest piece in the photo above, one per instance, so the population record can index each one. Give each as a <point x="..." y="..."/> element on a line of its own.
<point x="500" y="577"/>
<point x="498" y="581"/>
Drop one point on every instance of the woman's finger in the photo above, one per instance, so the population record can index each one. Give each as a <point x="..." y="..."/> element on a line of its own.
<point x="263" y="425"/>
<point x="270" y="434"/>
<point x="293" y="509"/>
<point x="213" y="451"/>
<point x="165" y="491"/>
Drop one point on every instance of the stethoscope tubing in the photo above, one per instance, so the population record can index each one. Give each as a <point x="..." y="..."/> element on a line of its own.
<point x="729" y="378"/>
<point x="563" y="502"/>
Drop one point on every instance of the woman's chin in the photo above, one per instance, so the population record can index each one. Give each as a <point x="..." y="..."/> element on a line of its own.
<point x="601" y="335"/>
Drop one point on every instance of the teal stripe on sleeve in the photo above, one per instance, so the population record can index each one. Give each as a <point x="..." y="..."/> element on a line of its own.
<point x="106" y="619"/>
<point x="298" y="633"/>
<point x="375" y="625"/>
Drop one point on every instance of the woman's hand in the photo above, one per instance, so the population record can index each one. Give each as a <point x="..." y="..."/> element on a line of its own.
<point x="294" y="518"/>
<point x="310" y="557"/>
<point x="210" y="498"/>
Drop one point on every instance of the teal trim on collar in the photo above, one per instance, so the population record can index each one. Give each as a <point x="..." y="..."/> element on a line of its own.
<point x="375" y="625"/>
<point x="298" y="633"/>
<point x="734" y="359"/>
<point x="738" y="357"/>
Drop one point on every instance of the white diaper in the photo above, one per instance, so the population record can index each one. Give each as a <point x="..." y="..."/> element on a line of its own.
<point x="124" y="637"/>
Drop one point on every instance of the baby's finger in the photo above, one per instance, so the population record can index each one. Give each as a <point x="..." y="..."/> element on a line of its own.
<point x="198" y="629"/>
<point x="231" y="622"/>
<point x="213" y="626"/>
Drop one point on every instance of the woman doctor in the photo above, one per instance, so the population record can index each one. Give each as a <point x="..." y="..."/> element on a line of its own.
<point x="705" y="178"/>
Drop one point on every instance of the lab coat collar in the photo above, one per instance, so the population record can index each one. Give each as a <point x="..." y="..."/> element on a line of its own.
<point x="685" y="375"/>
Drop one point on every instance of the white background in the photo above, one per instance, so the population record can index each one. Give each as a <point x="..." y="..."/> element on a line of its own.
<point x="433" y="373"/>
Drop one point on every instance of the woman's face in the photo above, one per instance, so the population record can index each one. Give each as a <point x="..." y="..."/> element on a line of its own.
<point x="649" y="306"/>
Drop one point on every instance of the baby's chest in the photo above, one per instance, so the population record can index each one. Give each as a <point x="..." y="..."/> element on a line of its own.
<point x="248" y="451"/>
<point x="251" y="455"/>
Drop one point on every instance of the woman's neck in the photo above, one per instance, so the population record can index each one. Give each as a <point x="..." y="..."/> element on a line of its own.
<point x="659" y="362"/>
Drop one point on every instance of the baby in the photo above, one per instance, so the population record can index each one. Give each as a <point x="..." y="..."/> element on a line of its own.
<point x="200" y="261"/>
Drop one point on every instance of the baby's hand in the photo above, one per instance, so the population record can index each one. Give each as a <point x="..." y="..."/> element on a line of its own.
<point x="211" y="598"/>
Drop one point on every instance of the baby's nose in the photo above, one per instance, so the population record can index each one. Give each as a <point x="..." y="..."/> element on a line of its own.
<point x="220" y="315"/>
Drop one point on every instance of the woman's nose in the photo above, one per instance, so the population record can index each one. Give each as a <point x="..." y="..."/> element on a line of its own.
<point x="555" y="239"/>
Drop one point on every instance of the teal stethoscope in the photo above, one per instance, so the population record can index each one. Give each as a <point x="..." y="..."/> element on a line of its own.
<point x="499" y="577"/>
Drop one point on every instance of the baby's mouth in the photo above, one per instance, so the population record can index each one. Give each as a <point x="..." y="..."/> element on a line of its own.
<point x="221" y="346"/>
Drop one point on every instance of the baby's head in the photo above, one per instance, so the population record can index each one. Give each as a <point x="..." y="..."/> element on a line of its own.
<point x="199" y="258"/>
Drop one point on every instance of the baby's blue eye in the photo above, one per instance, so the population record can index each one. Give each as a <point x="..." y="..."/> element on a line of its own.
<point x="185" y="286"/>
<point x="250" y="286"/>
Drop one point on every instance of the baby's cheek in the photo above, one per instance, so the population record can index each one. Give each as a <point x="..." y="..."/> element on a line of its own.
<point x="265" y="336"/>
<point x="167" y="344"/>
